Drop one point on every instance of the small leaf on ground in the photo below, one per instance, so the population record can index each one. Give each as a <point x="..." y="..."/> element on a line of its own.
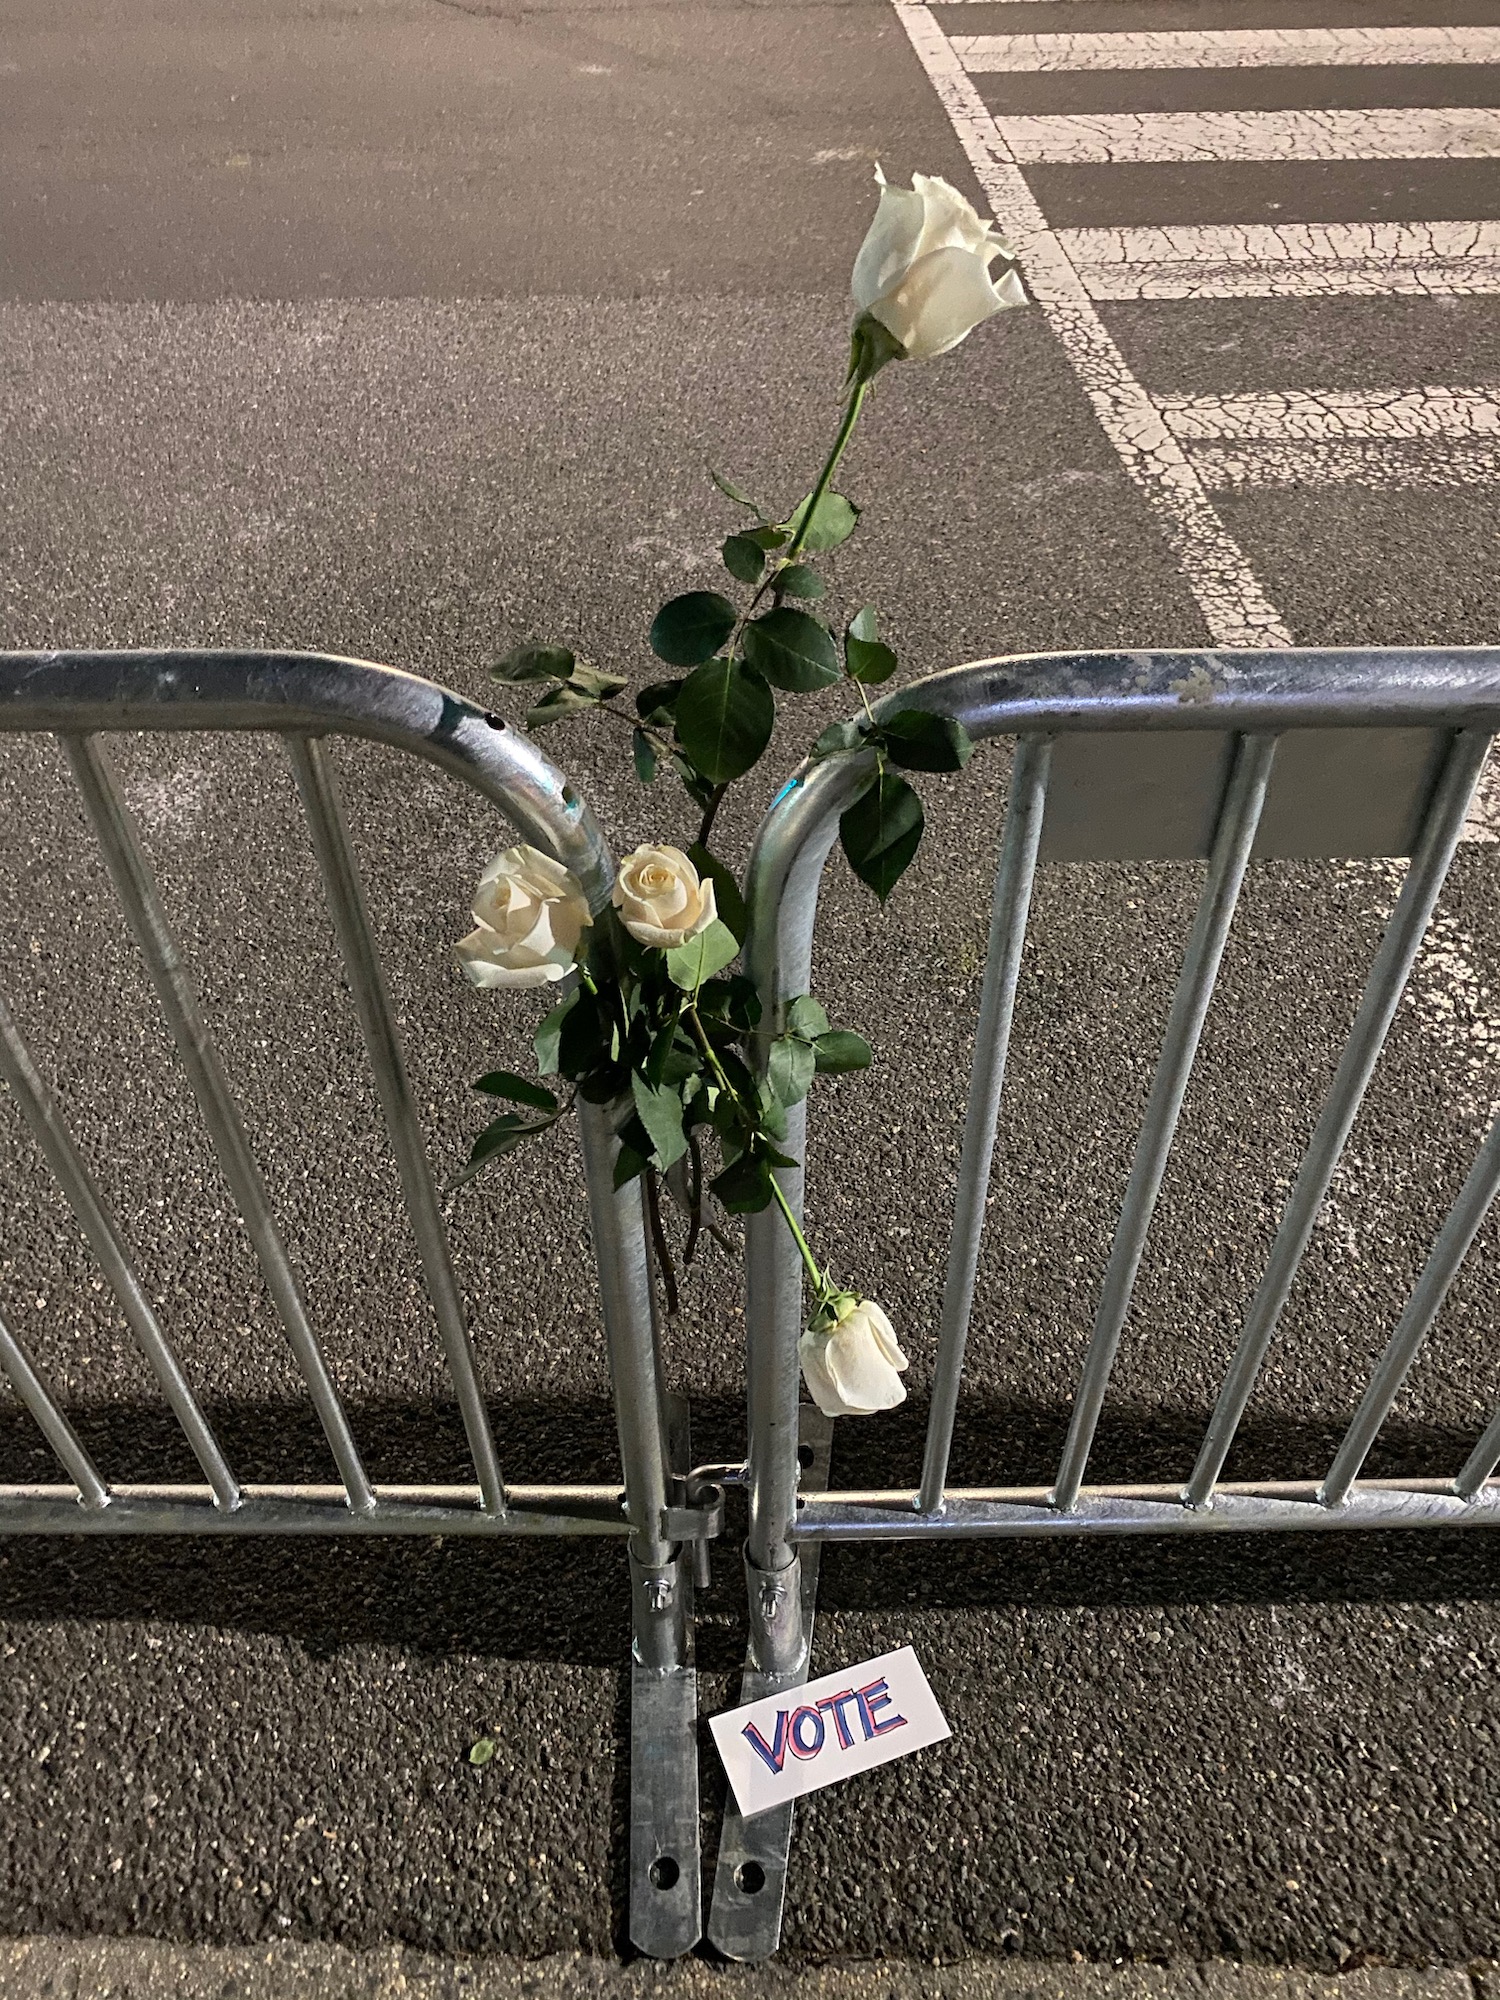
<point x="482" y="1751"/>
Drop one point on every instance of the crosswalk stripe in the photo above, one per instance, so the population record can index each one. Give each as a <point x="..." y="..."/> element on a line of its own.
<point x="1446" y="132"/>
<point x="1287" y="260"/>
<point x="1312" y="415"/>
<point x="1228" y="48"/>
<point x="1388" y="464"/>
<point x="1235" y="608"/>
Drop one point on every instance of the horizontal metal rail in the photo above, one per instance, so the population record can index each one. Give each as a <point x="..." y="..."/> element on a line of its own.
<point x="323" y="1510"/>
<point x="1141" y="1510"/>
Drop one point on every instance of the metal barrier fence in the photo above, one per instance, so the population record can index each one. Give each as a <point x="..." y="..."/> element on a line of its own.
<point x="1206" y="756"/>
<point x="304" y="698"/>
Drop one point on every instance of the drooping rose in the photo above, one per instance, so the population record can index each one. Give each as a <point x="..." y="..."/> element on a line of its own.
<point x="923" y="269"/>
<point x="660" y="898"/>
<point x="531" y="913"/>
<point x="853" y="1368"/>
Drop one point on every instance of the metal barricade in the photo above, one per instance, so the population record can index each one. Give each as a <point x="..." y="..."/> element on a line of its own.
<point x="304" y="699"/>
<point x="1207" y="756"/>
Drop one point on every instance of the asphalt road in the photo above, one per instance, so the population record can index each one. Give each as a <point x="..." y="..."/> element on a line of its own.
<point x="405" y="331"/>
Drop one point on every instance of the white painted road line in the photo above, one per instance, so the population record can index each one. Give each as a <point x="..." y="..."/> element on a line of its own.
<point x="1311" y="415"/>
<point x="1446" y="132"/>
<point x="1382" y="464"/>
<point x="1228" y="48"/>
<point x="1288" y="260"/>
<point x="1235" y="608"/>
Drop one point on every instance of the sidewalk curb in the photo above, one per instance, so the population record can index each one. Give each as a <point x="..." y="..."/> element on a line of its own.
<point x="145" y="1969"/>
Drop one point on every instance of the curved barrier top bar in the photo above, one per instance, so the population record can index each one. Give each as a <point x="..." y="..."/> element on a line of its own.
<point x="311" y="694"/>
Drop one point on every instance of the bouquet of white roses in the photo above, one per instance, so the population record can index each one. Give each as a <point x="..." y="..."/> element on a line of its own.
<point x="655" y="1023"/>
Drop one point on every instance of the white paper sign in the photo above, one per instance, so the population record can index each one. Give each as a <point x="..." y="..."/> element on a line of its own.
<point x="787" y="1744"/>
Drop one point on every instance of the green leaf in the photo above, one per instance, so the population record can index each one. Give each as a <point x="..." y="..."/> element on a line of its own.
<point x="881" y="831"/>
<point x="806" y="1017"/>
<point x="836" y="737"/>
<point x="866" y="659"/>
<point x="702" y="956"/>
<point x="503" y="1083"/>
<point x="918" y="741"/>
<point x="562" y="700"/>
<point x="725" y="715"/>
<point x="699" y="788"/>
<point x="732" y="492"/>
<point x="496" y="1140"/>
<point x="643" y="750"/>
<point x="834" y="522"/>
<point x="797" y="580"/>
<point x="657" y="702"/>
<point x="789" y="1069"/>
<point x="545" y="1040"/>
<point x="534" y="663"/>
<point x="584" y="1041"/>
<point x="841" y="1050"/>
<point x="660" y="1111"/>
<point x="727" y="898"/>
<point x="769" y="537"/>
<point x="630" y="1164"/>
<point x="792" y="650"/>
<point x="733" y="1004"/>
<point x="744" y="1187"/>
<point x="673" y="1059"/>
<point x="481" y="1752"/>
<point x="587" y="681"/>
<point x="688" y="630"/>
<point x="744" y="558"/>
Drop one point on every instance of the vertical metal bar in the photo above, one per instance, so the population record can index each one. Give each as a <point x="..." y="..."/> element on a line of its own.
<point x="618" y="1223"/>
<point x="138" y="895"/>
<point x="52" y="1135"/>
<point x="1481" y="1462"/>
<point x="1008" y="914"/>
<point x="1447" y="1254"/>
<point x="1200" y="968"/>
<point x="1382" y="994"/>
<point x="372" y="1001"/>
<point x="59" y="1433"/>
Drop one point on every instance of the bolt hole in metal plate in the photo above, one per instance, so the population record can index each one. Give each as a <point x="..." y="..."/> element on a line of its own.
<point x="664" y="1872"/>
<point x="749" y="1878"/>
<point x="804" y="1455"/>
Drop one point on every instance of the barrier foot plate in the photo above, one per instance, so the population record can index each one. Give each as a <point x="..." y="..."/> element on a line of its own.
<point x="744" y="1919"/>
<point x="666" y="1871"/>
<point x="666" y="1878"/>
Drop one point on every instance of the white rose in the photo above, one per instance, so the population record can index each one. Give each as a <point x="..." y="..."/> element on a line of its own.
<point x="660" y="898"/>
<point x="531" y="913"/>
<point x="923" y="269"/>
<point x="854" y="1368"/>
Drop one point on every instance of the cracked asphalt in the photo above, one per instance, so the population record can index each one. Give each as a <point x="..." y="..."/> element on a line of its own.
<point x="405" y="330"/>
